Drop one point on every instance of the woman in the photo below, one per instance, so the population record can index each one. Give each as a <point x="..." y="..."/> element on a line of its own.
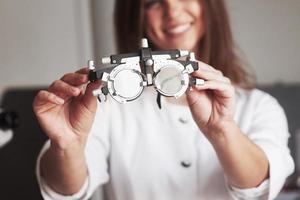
<point x="219" y="141"/>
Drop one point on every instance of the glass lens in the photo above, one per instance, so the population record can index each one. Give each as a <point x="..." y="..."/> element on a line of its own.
<point x="127" y="84"/>
<point x="168" y="80"/>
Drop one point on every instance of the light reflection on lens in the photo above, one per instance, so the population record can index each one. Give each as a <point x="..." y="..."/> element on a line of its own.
<point x="169" y="80"/>
<point x="127" y="84"/>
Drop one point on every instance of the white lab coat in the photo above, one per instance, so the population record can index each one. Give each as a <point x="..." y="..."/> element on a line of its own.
<point x="144" y="153"/>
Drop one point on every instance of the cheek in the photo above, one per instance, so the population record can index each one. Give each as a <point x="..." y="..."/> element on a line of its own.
<point x="153" y="23"/>
<point x="197" y="12"/>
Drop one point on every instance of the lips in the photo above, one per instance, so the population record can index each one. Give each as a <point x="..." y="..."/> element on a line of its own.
<point x="178" y="29"/>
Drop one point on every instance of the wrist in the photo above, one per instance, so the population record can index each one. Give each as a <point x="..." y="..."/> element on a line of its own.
<point x="71" y="150"/>
<point x="58" y="167"/>
<point x="220" y="134"/>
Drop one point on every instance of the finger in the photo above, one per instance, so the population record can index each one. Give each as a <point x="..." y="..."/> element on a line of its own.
<point x="192" y="98"/>
<point x="210" y="75"/>
<point x="61" y="87"/>
<point x="226" y="90"/>
<point x="204" y="66"/>
<point x="84" y="70"/>
<point x="44" y="96"/>
<point x="75" y="79"/>
<point x="89" y="100"/>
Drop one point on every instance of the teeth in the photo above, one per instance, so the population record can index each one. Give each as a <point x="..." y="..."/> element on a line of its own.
<point x="179" y="29"/>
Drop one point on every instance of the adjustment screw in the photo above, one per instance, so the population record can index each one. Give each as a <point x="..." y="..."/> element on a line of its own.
<point x="144" y="43"/>
<point x="149" y="62"/>
<point x="91" y="65"/>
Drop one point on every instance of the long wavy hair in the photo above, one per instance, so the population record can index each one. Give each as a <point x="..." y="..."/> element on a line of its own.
<point x="216" y="46"/>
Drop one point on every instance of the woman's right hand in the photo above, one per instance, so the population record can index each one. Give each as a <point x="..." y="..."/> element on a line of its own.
<point x="66" y="110"/>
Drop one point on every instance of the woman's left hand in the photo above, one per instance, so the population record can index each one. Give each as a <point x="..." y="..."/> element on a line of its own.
<point x="213" y="103"/>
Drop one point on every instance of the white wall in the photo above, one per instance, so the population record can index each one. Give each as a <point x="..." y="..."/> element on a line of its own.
<point x="41" y="40"/>
<point x="268" y="31"/>
<point x="103" y="28"/>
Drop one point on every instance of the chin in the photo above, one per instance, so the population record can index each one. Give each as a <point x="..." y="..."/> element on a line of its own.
<point x="185" y="42"/>
<point x="183" y="45"/>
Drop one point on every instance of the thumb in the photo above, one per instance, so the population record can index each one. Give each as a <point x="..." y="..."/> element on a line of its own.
<point x="196" y="97"/>
<point x="192" y="97"/>
<point x="88" y="99"/>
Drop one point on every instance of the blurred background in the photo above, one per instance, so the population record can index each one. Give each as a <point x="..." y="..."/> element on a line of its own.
<point x="41" y="40"/>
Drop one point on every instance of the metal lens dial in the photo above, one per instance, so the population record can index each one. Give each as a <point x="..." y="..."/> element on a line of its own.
<point x="125" y="84"/>
<point x="170" y="78"/>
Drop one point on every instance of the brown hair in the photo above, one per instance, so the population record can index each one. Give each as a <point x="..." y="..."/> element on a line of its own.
<point x="217" y="46"/>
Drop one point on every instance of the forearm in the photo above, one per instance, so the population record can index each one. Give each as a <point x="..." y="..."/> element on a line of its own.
<point x="243" y="162"/>
<point x="64" y="171"/>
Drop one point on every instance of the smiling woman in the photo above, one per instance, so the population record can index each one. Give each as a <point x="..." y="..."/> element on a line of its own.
<point x="218" y="142"/>
<point x="171" y="25"/>
<point x="197" y="25"/>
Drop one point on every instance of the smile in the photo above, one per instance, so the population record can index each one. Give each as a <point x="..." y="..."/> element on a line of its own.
<point x="182" y="28"/>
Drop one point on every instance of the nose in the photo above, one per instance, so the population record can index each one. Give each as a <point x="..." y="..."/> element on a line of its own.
<point x="172" y="8"/>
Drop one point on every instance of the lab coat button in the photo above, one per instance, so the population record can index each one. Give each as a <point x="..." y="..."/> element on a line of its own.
<point x="185" y="164"/>
<point x="183" y="120"/>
